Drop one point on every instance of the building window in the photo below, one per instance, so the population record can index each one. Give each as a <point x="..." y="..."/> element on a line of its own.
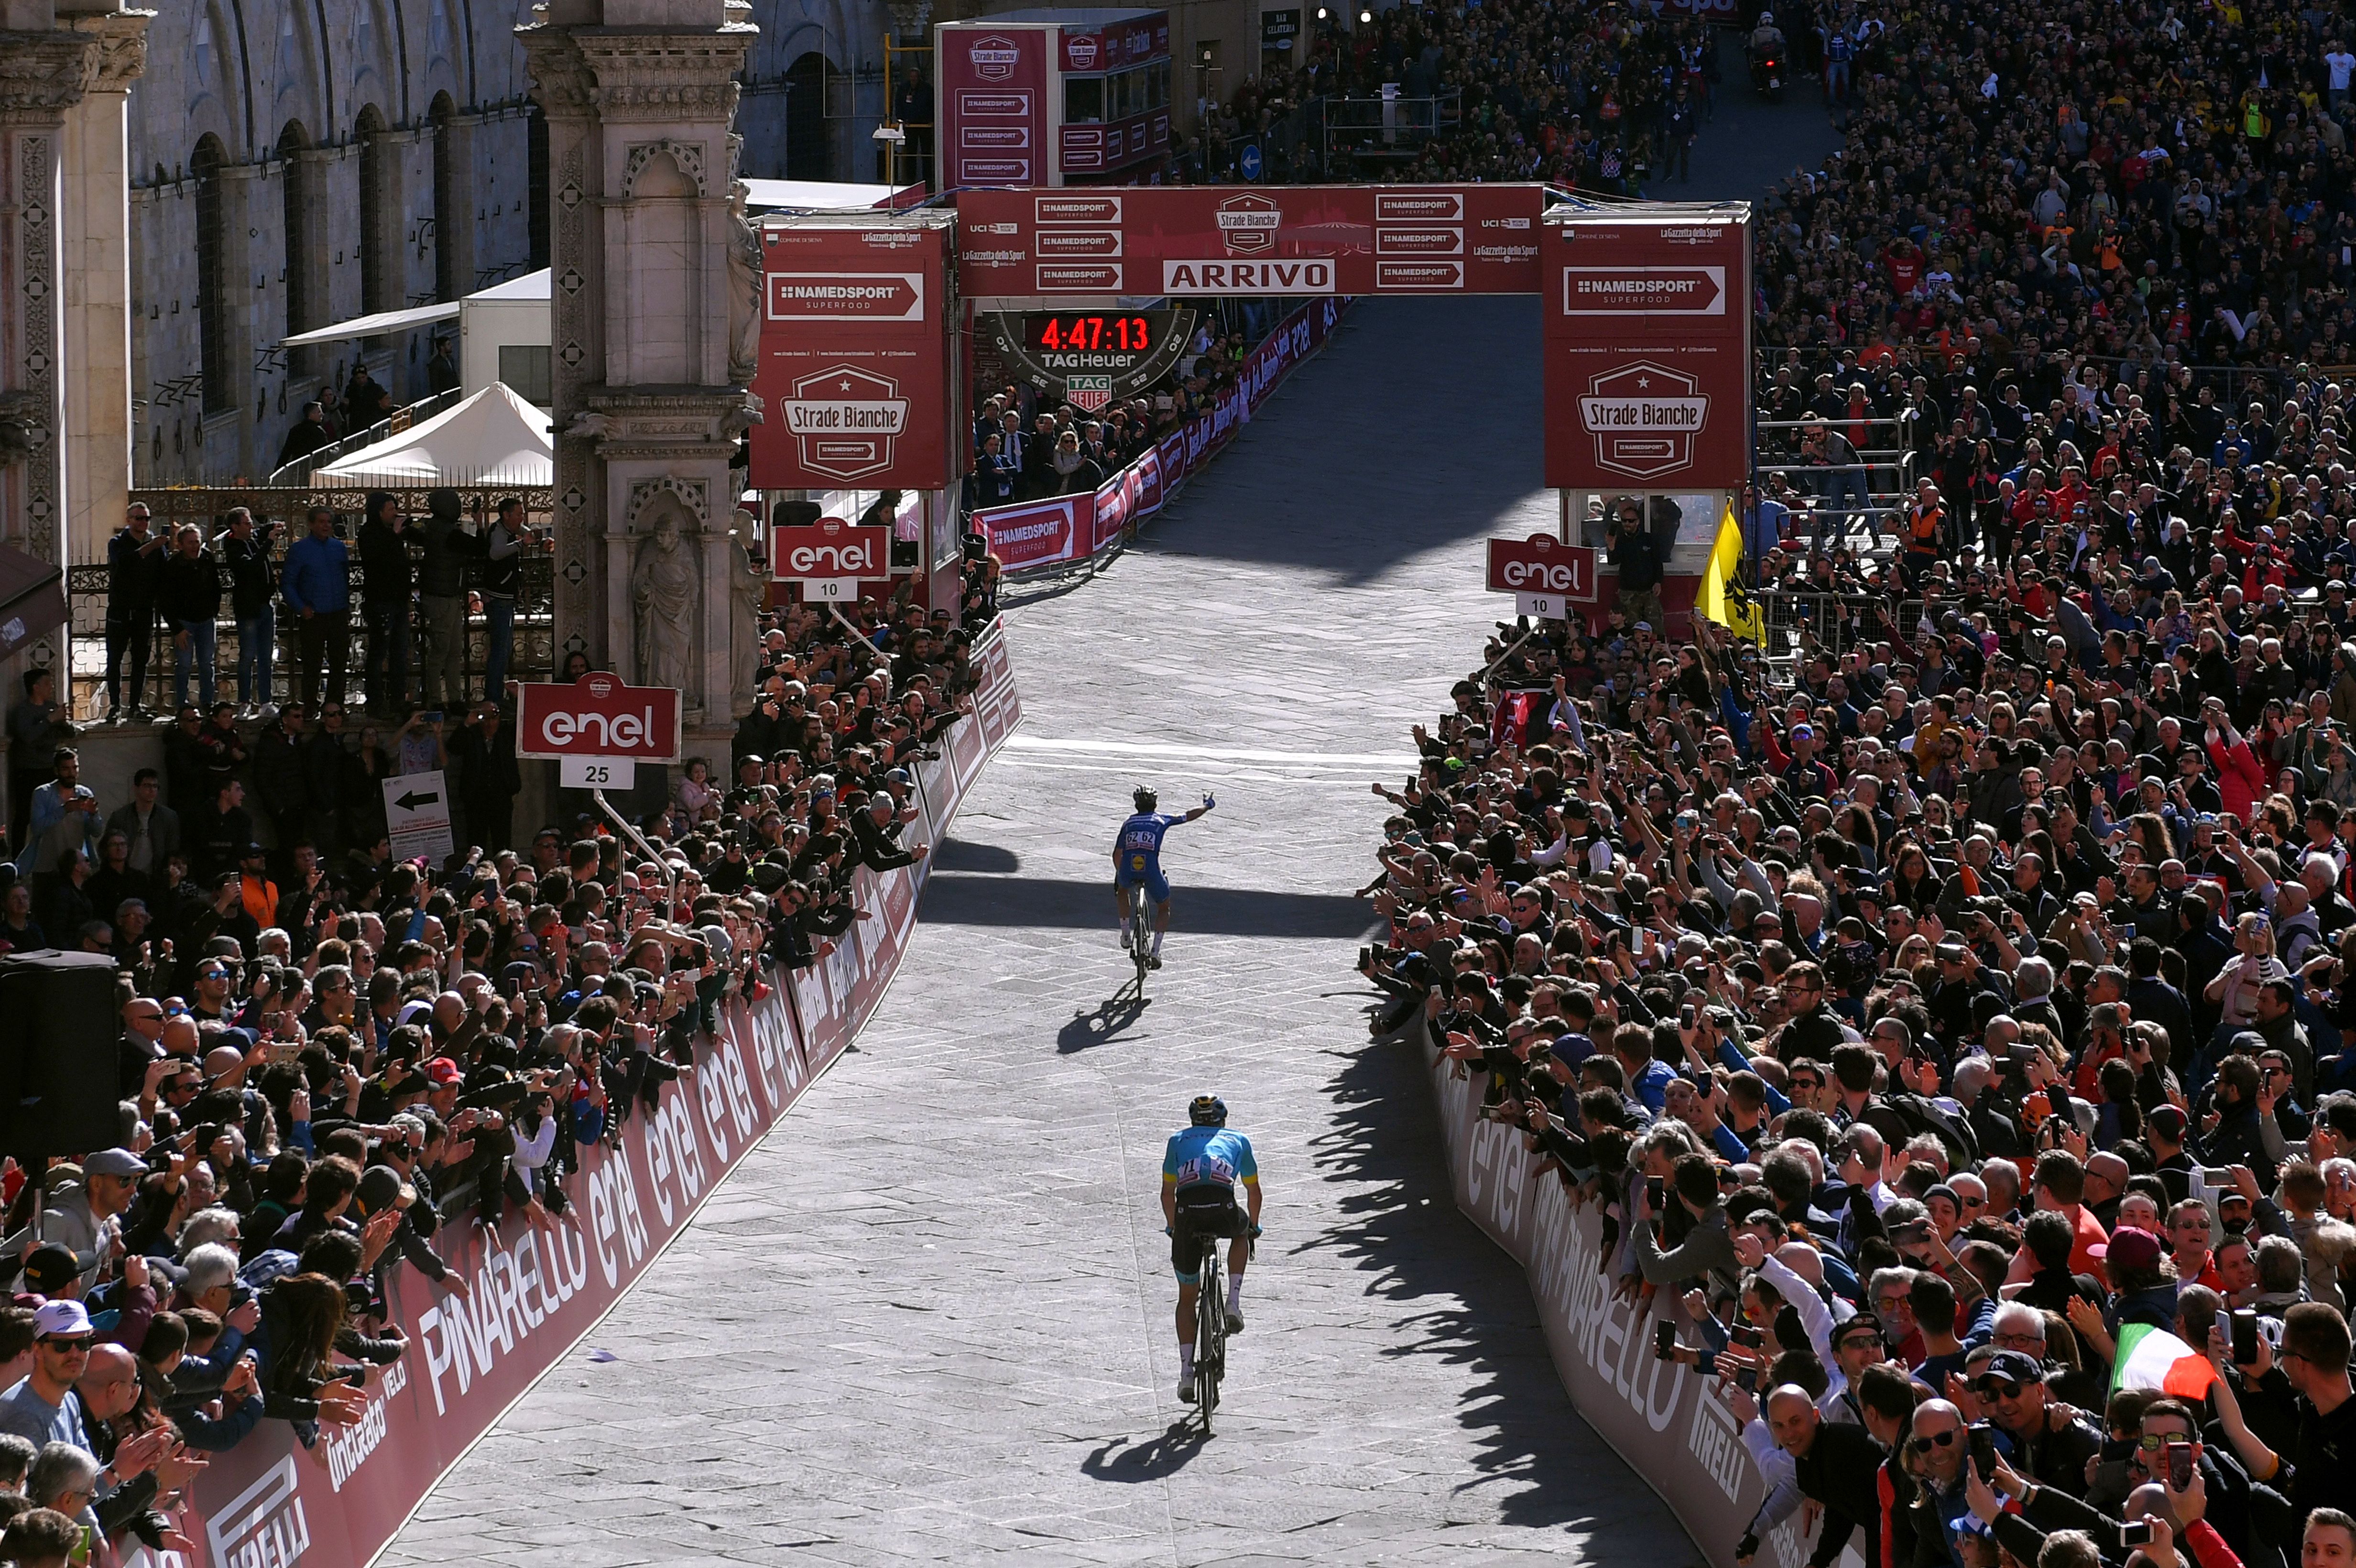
<point x="294" y="199"/>
<point x="212" y="287"/>
<point x="536" y="183"/>
<point x="378" y="288"/>
<point x="449" y="210"/>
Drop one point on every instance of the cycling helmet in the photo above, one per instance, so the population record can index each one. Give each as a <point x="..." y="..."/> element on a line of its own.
<point x="1208" y="1111"/>
<point x="1145" y="798"/>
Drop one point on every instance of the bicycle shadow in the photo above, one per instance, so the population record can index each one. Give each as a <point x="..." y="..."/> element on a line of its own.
<point x="1150" y="1460"/>
<point x="1104" y="1023"/>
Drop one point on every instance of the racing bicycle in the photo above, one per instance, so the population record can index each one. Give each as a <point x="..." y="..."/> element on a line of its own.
<point x="1210" y="1321"/>
<point x="1140" y="931"/>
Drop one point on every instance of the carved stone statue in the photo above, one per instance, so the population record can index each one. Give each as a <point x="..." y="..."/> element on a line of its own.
<point x="744" y="287"/>
<point x="747" y="592"/>
<point x="662" y="590"/>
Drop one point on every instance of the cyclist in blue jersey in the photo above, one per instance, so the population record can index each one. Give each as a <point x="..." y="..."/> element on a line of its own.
<point x="1137" y="857"/>
<point x="1200" y="1172"/>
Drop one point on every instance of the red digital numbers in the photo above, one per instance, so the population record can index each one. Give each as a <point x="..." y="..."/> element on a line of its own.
<point x="1095" y="334"/>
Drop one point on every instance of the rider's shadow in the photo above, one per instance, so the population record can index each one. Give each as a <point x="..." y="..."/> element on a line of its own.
<point x="1148" y="1461"/>
<point x="1104" y="1022"/>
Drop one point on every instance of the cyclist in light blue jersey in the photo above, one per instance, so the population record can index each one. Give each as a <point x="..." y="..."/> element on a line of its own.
<point x="1137" y="857"/>
<point x="1200" y="1170"/>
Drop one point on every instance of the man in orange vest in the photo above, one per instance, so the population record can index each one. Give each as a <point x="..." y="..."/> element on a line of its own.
<point x="1925" y="531"/>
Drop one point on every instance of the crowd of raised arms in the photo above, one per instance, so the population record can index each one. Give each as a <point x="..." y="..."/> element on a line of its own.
<point x="334" y="1066"/>
<point x="1962" y="1044"/>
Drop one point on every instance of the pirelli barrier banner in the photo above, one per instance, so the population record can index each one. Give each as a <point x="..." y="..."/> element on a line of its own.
<point x="1039" y="533"/>
<point x="1660" y="1416"/>
<point x="536" y="1290"/>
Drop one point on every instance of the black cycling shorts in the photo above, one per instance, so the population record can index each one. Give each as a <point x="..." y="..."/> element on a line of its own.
<point x="1204" y="1209"/>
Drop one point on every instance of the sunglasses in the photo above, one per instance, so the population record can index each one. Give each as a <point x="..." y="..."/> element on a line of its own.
<point x="1928" y="1441"/>
<point x="1997" y="1388"/>
<point x="2153" y="1442"/>
<point x="67" y="1345"/>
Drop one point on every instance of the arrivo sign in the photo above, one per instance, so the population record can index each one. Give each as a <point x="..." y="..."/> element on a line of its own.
<point x="598" y="716"/>
<point x="830" y="548"/>
<point x="1295" y="241"/>
<point x="1541" y="564"/>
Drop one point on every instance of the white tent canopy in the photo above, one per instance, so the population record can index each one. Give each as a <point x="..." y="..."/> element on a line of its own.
<point x="492" y="438"/>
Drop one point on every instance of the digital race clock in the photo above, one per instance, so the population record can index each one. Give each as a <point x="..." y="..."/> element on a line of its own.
<point x="1091" y="355"/>
<point x="1062" y="332"/>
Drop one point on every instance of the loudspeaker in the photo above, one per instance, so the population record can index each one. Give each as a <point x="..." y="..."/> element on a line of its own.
<point x="60" y="1044"/>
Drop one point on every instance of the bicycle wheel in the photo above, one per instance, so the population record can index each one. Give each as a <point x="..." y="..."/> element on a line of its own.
<point x="1141" y="913"/>
<point x="1210" y="1333"/>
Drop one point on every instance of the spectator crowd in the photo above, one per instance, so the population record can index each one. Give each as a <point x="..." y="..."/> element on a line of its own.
<point x="1959" y="1034"/>
<point x="333" y="1065"/>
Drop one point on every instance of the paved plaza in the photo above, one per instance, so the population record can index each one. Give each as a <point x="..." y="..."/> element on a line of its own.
<point x="929" y="1319"/>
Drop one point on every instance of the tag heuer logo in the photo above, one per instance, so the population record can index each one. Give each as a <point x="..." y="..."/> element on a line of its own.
<point x="1248" y="224"/>
<point x="994" y="58"/>
<point x="1087" y="393"/>
<point x="1643" y="418"/>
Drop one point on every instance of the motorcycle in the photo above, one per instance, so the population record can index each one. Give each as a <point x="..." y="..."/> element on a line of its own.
<point x="1767" y="74"/>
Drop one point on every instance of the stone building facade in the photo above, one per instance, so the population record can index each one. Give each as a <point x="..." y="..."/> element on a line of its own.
<point x="297" y="163"/>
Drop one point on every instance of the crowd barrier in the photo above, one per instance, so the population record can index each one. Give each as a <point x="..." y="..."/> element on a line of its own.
<point x="1038" y="534"/>
<point x="537" y="1289"/>
<point x="1659" y="1416"/>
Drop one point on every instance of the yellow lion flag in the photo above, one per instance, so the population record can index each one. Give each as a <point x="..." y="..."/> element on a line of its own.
<point x="1722" y="598"/>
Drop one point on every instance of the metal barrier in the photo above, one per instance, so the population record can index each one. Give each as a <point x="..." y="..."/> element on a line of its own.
<point x="1886" y="473"/>
<point x="87" y="594"/>
<point x="1800" y="623"/>
<point x="299" y="472"/>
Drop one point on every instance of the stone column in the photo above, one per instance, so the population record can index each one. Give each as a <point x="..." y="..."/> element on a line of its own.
<point x="46" y="70"/>
<point x="95" y="244"/>
<point x="640" y="96"/>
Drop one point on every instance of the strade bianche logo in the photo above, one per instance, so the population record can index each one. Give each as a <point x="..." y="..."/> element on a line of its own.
<point x="846" y="420"/>
<point x="1645" y="418"/>
<point x="994" y="58"/>
<point x="1248" y="224"/>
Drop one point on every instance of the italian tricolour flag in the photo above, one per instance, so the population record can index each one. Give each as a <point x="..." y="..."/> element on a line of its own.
<point x="2152" y="1358"/>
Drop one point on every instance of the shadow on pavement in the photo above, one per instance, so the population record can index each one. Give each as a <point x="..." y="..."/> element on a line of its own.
<point x="1104" y="1025"/>
<point x="964" y="855"/>
<point x="1459" y="1297"/>
<point x="1148" y="1461"/>
<point x="1057" y="903"/>
<point x="1467" y="461"/>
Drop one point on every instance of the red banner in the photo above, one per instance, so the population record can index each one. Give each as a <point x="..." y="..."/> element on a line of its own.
<point x="1648" y="351"/>
<point x="990" y="105"/>
<point x="1662" y="1417"/>
<point x="854" y="376"/>
<point x="1039" y="533"/>
<point x="535" y="1290"/>
<point x="1541" y="564"/>
<point x="1285" y="239"/>
<point x="597" y="716"/>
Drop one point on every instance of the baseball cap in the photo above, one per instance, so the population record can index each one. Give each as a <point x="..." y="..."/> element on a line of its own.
<point x="50" y="1267"/>
<point x="381" y="1187"/>
<point x="60" y="1319"/>
<point x="2129" y="1248"/>
<point x="2019" y="1366"/>
<point x="442" y="1073"/>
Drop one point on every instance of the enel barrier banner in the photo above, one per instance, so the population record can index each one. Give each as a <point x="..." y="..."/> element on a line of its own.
<point x="1064" y="529"/>
<point x="535" y="1290"/>
<point x="1660" y="1416"/>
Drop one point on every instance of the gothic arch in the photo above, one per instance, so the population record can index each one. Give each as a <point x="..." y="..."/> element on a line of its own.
<point x="685" y="160"/>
